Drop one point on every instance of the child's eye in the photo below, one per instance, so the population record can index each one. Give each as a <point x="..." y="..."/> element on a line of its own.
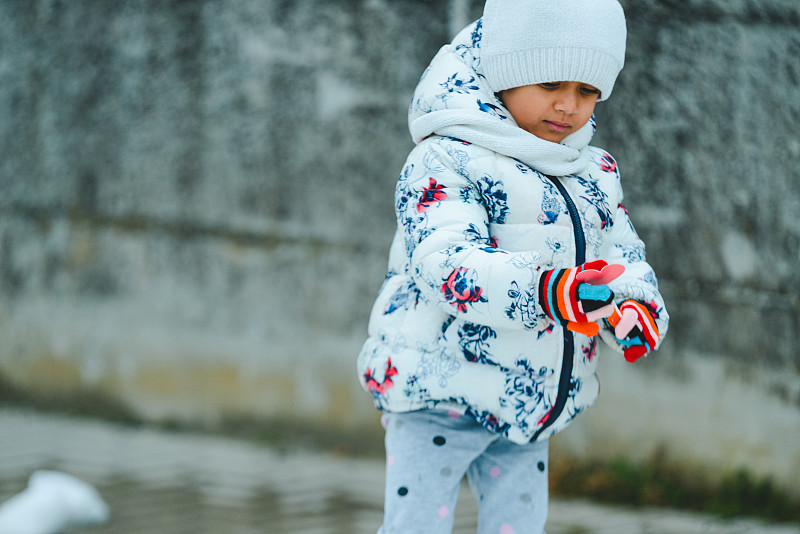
<point x="589" y="91"/>
<point x="550" y="85"/>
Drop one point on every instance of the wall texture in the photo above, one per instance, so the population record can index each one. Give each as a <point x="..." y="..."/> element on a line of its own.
<point x="196" y="207"/>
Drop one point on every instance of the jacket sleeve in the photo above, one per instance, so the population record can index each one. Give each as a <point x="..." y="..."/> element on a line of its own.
<point x="451" y="255"/>
<point x="639" y="281"/>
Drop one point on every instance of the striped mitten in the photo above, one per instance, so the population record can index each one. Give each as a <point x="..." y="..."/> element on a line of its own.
<point x="635" y="329"/>
<point x="579" y="296"/>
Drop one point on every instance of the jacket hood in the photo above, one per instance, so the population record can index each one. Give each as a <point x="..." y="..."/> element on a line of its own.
<point x="453" y="99"/>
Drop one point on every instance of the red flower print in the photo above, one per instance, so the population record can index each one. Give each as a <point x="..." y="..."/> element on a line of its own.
<point x="381" y="387"/>
<point x="546" y="417"/>
<point x="608" y="164"/>
<point x="590" y="351"/>
<point x="459" y="289"/>
<point x="431" y="195"/>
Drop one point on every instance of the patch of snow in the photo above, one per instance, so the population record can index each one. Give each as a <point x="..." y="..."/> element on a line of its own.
<point x="52" y="502"/>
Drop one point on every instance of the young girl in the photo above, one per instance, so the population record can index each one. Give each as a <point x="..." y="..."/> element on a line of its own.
<point x="513" y="254"/>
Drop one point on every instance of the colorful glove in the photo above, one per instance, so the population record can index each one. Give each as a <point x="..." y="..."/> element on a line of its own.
<point x="579" y="296"/>
<point x="635" y="329"/>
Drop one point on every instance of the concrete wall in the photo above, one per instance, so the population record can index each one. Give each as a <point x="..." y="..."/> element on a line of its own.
<point x="196" y="207"/>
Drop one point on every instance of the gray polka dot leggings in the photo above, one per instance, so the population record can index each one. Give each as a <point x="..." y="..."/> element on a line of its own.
<point x="427" y="454"/>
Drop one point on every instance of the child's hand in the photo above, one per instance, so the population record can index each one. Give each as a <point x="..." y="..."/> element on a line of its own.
<point x="578" y="297"/>
<point x="635" y="329"/>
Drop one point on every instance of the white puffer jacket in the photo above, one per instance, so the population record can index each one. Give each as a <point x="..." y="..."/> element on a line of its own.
<point x="483" y="208"/>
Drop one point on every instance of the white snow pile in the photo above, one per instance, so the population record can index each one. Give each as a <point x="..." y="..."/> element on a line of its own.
<point x="52" y="501"/>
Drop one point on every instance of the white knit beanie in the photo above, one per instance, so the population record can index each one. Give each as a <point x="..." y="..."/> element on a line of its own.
<point x="526" y="42"/>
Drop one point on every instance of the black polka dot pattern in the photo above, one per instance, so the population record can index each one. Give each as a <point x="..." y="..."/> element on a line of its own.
<point x="428" y="456"/>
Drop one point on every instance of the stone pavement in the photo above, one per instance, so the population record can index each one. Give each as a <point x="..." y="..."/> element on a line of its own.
<point x="162" y="482"/>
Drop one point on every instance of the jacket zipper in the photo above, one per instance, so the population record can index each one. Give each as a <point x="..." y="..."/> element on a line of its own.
<point x="580" y="238"/>
<point x="569" y="340"/>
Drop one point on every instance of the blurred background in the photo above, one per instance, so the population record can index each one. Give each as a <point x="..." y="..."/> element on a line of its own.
<point x="196" y="207"/>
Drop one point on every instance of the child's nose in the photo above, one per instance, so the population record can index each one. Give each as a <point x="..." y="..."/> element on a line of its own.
<point x="567" y="102"/>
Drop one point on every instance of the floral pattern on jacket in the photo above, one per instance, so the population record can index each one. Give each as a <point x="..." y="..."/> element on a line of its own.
<point x="457" y="323"/>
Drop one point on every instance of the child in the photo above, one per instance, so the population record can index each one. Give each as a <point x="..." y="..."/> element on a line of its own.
<point x="512" y="254"/>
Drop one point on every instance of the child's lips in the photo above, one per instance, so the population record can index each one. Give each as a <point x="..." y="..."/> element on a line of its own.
<point x="557" y="126"/>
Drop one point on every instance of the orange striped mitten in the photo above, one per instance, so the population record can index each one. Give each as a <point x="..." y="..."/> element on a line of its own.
<point x="570" y="301"/>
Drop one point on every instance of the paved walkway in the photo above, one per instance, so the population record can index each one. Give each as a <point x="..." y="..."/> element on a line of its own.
<point x="160" y="482"/>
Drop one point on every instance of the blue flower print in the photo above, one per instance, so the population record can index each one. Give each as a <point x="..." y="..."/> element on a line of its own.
<point x="523" y="305"/>
<point x="632" y="253"/>
<point x="406" y="295"/>
<point x="491" y="109"/>
<point x="454" y="84"/>
<point x="460" y="158"/>
<point x="441" y="366"/>
<point x="477" y="33"/>
<point x="597" y="199"/>
<point x="550" y="210"/>
<point x="525" y="394"/>
<point x="474" y="342"/>
<point x="557" y="246"/>
<point x="469" y="53"/>
<point x="526" y="260"/>
<point x="488" y="421"/>
<point x="552" y="205"/>
<point x="494" y="198"/>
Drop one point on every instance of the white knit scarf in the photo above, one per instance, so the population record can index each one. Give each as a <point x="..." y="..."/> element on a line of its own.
<point x="453" y="99"/>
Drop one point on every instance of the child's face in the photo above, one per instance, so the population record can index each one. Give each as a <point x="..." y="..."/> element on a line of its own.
<point x="551" y="111"/>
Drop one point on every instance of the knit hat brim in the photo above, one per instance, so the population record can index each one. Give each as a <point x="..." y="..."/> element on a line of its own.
<point x="526" y="67"/>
